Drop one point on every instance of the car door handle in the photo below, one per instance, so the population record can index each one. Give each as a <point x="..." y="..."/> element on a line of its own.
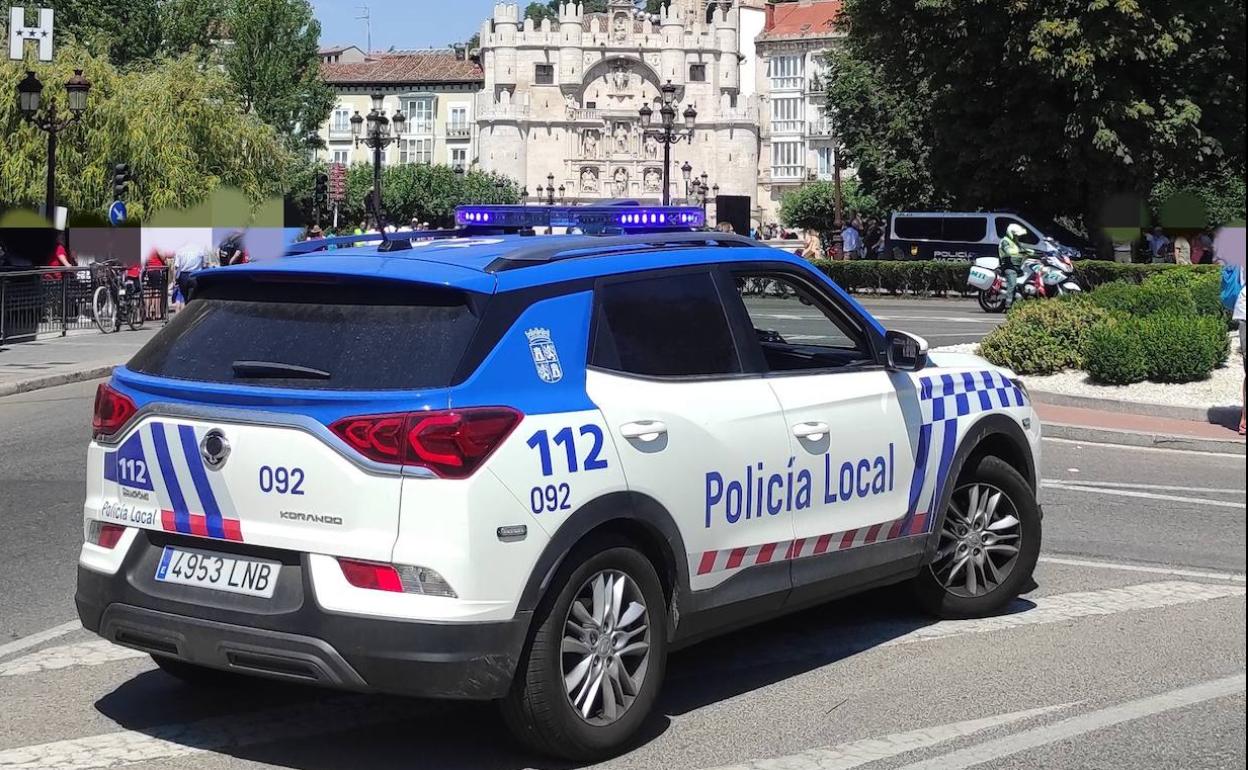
<point x="811" y="430"/>
<point x="643" y="430"/>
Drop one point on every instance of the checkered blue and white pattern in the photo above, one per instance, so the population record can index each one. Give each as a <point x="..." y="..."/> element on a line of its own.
<point x="944" y="399"/>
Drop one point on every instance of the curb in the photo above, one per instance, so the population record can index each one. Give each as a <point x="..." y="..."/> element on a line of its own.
<point x="1143" y="439"/>
<point x="1217" y="415"/>
<point x="53" y="380"/>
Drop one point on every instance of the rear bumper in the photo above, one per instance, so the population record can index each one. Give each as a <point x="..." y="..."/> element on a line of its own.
<point x="295" y="640"/>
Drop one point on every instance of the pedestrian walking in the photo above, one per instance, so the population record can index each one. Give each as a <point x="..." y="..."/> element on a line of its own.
<point x="851" y="241"/>
<point x="1182" y="250"/>
<point x="186" y="260"/>
<point x="1157" y="243"/>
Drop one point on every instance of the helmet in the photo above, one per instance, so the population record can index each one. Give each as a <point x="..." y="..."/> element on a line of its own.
<point x="1016" y="231"/>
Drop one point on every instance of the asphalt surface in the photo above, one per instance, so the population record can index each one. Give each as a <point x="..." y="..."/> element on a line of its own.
<point x="940" y="321"/>
<point x="1129" y="654"/>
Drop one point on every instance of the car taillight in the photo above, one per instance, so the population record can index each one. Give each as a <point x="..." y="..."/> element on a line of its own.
<point x="112" y="411"/>
<point x="452" y="444"/>
<point x="105" y="535"/>
<point x="367" y="574"/>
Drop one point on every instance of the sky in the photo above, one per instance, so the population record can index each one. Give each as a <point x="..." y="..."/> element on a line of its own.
<point x="401" y="23"/>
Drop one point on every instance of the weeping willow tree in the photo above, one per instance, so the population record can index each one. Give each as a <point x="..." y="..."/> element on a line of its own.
<point x="177" y="124"/>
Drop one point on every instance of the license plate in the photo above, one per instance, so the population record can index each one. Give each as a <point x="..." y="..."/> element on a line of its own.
<point x="218" y="572"/>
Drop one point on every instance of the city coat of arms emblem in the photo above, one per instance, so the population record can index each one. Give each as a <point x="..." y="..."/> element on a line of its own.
<point x="545" y="357"/>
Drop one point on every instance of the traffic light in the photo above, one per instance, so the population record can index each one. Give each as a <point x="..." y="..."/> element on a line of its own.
<point x="121" y="175"/>
<point x="321" y="196"/>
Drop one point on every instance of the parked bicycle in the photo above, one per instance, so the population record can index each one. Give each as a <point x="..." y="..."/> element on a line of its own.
<point x="118" y="299"/>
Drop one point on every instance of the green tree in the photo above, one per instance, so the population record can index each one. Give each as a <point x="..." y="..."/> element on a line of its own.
<point x="191" y="25"/>
<point x="1053" y="107"/>
<point x="273" y="63"/>
<point x="174" y="123"/>
<point x="127" y="32"/>
<point x="813" y="206"/>
<point x="408" y="191"/>
<point x="539" y="11"/>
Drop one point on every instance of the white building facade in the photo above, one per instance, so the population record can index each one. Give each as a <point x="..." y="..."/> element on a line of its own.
<point x="563" y="98"/>
<point x="796" y="137"/>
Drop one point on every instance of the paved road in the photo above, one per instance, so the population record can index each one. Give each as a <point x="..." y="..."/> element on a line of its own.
<point x="1129" y="654"/>
<point x="940" y="321"/>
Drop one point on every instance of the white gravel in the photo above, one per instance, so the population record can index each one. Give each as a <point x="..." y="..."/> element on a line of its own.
<point x="1221" y="389"/>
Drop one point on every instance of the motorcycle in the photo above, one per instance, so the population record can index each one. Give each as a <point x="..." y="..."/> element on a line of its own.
<point x="1047" y="273"/>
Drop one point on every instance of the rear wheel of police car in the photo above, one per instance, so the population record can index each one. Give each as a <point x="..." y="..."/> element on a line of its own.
<point x="989" y="543"/>
<point x="595" y="662"/>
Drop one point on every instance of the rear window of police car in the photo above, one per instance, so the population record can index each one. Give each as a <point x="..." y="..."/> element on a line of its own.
<point x="356" y="336"/>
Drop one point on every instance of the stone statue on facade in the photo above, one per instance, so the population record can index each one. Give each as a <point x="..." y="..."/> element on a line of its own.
<point x="589" y="179"/>
<point x="652" y="147"/>
<point x="621" y="138"/>
<point x="621" y="76"/>
<point x="619" y="27"/>
<point x="621" y="182"/>
<point x="589" y="143"/>
<point x="653" y="180"/>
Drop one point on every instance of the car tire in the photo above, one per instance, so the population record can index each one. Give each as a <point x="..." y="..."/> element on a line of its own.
<point x="991" y="302"/>
<point x="943" y="588"/>
<point x="539" y="710"/>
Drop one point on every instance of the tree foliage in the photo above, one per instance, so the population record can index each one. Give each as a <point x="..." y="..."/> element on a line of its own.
<point x="191" y="25"/>
<point x="174" y="123"/>
<point x="124" y="31"/>
<point x="813" y="206"/>
<point x="274" y="65"/>
<point x="1052" y="107"/>
<point x="408" y="191"/>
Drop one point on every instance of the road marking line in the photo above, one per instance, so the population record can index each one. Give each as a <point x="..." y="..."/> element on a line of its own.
<point x="1154" y="487"/>
<point x="164" y="742"/>
<point x="1084" y="723"/>
<point x="95" y="653"/>
<point x="1232" y="576"/>
<point x="26" y="642"/>
<point x="1080" y="442"/>
<point x="837" y="640"/>
<point x="1063" y="607"/>
<point x="846" y="756"/>
<point x="1072" y="487"/>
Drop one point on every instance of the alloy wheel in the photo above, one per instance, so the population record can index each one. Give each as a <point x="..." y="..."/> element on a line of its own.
<point x="605" y="651"/>
<point x="979" y="541"/>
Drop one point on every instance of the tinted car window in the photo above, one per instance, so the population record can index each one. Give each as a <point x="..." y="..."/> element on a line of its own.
<point x="666" y="326"/>
<point x="967" y="229"/>
<point x="1004" y="222"/>
<point x="315" y="337"/>
<point x="918" y="228"/>
<point x="793" y="327"/>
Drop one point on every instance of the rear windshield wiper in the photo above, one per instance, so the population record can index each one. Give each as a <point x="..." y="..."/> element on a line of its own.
<point x="261" y="370"/>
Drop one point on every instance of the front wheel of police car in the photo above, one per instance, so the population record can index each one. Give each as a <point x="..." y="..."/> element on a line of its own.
<point x="989" y="543"/>
<point x="593" y="668"/>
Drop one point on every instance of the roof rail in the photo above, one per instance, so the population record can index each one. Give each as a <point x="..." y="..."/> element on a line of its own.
<point x="567" y="247"/>
<point x="400" y="240"/>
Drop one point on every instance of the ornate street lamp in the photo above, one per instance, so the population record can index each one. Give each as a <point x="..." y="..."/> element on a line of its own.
<point x="381" y="132"/>
<point x="667" y="132"/>
<point x="550" y="189"/>
<point x="44" y="117"/>
<point x="686" y="171"/>
<point x="563" y="191"/>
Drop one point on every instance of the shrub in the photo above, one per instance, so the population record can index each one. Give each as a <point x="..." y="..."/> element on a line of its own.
<point x="1095" y="272"/>
<point x="1145" y="299"/>
<point x="1065" y="322"/>
<point x="1115" y="353"/>
<point x="1025" y="348"/>
<point x="1204" y="287"/>
<point x="1183" y="348"/>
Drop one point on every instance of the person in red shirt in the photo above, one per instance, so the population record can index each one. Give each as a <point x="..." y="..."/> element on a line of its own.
<point x="60" y="257"/>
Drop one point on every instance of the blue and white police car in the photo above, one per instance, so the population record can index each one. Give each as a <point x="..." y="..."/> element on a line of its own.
<point x="524" y="468"/>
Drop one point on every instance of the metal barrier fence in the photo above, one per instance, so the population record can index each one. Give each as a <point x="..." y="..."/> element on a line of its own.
<point x="54" y="300"/>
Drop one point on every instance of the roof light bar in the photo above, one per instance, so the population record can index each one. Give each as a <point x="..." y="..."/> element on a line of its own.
<point x="587" y="219"/>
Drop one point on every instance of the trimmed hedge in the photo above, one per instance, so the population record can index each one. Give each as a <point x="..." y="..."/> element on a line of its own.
<point x="1116" y="353"/>
<point x="946" y="277"/>
<point x="1145" y="299"/>
<point x="1163" y="348"/>
<point x="1044" y="337"/>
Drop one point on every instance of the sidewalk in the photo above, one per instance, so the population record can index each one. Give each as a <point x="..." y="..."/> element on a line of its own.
<point x="1079" y="424"/>
<point x="55" y="361"/>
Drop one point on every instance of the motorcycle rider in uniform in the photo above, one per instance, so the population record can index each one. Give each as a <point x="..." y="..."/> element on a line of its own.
<point x="1011" y="255"/>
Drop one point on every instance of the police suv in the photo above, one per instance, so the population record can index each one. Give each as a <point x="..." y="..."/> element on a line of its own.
<point x="519" y="468"/>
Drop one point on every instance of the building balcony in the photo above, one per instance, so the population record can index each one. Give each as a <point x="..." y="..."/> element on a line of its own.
<point x="787" y="174"/>
<point x="337" y="134"/>
<point x="458" y="131"/>
<point x="820" y="129"/>
<point x="788" y="127"/>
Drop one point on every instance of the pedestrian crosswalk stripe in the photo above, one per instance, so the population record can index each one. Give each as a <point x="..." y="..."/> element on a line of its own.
<point x="92" y="653"/>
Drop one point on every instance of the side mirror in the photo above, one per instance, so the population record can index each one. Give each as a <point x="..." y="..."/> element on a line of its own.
<point x="904" y="351"/>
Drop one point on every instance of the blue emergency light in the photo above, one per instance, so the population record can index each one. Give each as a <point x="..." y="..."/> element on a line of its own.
<point x="590" y="220"/>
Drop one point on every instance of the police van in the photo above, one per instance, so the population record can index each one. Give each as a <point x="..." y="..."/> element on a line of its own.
<point x="964" y="236"/>
<point x="500" y="466"/>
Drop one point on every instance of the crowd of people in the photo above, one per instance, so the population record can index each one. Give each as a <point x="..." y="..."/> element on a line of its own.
<point x="1181" y="247"/>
